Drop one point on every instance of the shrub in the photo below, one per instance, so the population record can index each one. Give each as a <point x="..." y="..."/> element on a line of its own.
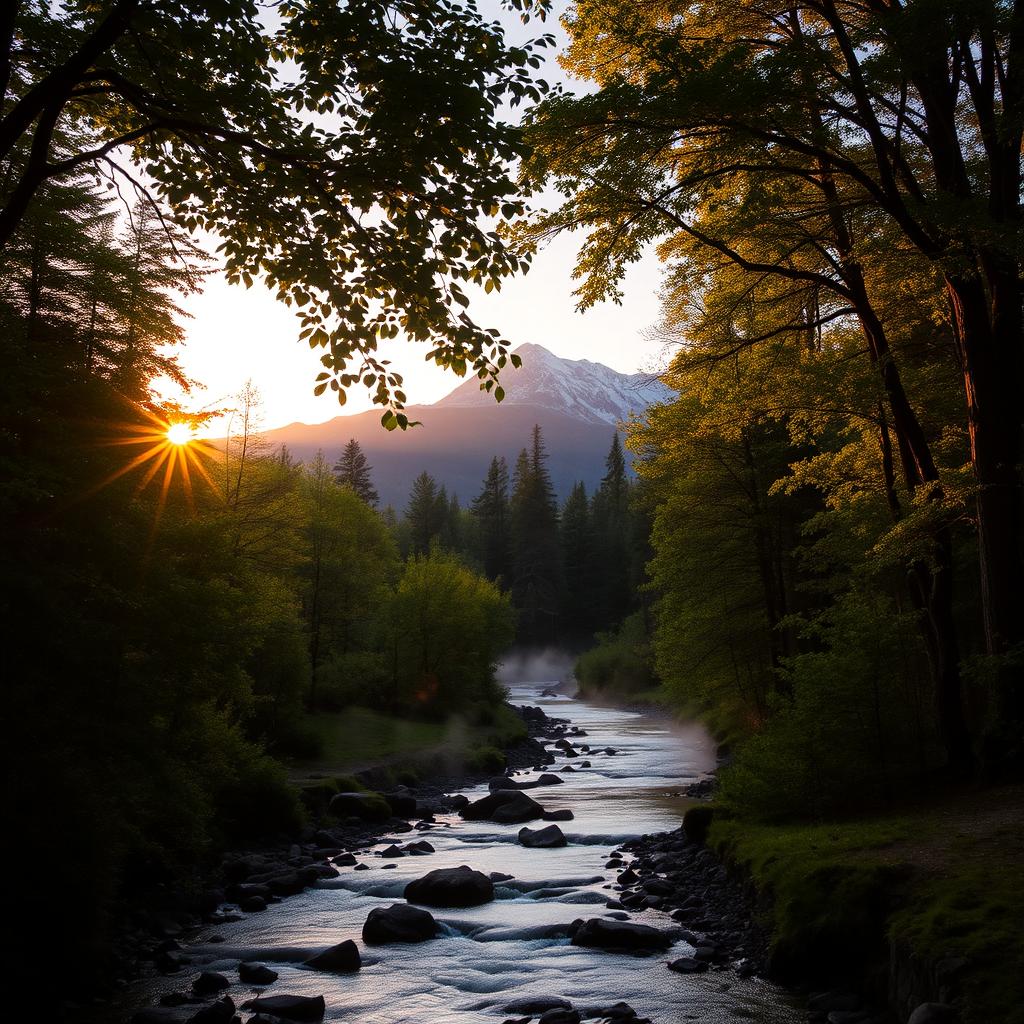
<point x="486" y="761"/>
<point x="621" y="661"/>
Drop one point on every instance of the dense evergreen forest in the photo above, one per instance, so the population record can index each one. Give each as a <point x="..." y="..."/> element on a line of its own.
<point x="821" y="555"/>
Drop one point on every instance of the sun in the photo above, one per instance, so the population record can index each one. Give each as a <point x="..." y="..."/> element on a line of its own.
<point x="180" y="433"/>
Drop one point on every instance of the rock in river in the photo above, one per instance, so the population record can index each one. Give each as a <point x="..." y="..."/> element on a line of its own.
<point x="255" y="974"/>
<point x="451" y="887"/>
<point x="220" y="1012"/>
<point x="340" y="959"/>
<point x="504" y="806"/>
<point x="620" y="935"/>
<point x="542" y="838"/>
<point x="398" y="923"/>
<point x="301" y="1008"/>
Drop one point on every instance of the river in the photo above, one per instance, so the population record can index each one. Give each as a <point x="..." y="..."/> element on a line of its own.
<point x="493" y="955"/>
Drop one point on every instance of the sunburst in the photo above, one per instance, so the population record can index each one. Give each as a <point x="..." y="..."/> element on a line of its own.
<point x="170" y="450"/>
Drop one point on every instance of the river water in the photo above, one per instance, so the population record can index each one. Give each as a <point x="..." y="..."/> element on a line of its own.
<point x="487" y="957"/>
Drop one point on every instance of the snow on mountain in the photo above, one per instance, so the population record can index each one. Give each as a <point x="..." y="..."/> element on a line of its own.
<point x="590" y="392"/>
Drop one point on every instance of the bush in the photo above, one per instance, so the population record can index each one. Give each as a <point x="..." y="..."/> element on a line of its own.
<point x="486" y="761"/>
<point x="621" y="661"/>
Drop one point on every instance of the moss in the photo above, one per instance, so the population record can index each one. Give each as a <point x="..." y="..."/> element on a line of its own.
<point x="836" y="895"/>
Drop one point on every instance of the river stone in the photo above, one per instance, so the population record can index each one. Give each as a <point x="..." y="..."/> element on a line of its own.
<point x="451" y="887"/>
<point x="584" y="764"/>
<point x="560" y="815"/>
<point x="548" y="779"/>
<point x="421" y="848"/>
<point x="542" y="838"/>
<point x="256" y="974"/>
<point x="538" y="1004"/>
<point x="616" y="1012"/>
<point x="559" y="1016"/>
<point x="220" y="1012"/>
<point x="602" y="934"/>
<point x="252" y="904"/>
<point x="392" y="851"/>
<point x="209" y="982"/>
<point x="500" y="782"/>
<point x="687" y="965"/>
<point x="504" y="806"/>
<point x="627" y="877"/>
<point x="398" y="923"/>
<point x="402" y="804"/>
<point x="368" y="806"/>
<point x="340" y="959"/>
<point x="301" y="1008"/>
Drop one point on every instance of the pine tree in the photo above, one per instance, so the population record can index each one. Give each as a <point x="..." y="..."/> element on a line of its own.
<point x="491" y="509"/>
<point x="579" y="564"/>
<point x="423" y="513"/>
<point x="353" y="470"/>
<point x="612" y="532"/>
<point x="537" y="556"/>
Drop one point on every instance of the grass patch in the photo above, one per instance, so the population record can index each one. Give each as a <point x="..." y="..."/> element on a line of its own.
<point x="943" y="881"/>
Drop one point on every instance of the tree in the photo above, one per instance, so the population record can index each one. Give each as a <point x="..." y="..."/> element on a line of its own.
<point x="426" y="512"/>
<point x="491" y="509"/>
<point x="353" y="470"/>
<point x="767" y="140"/>
<point x="536" y="556"/>
<point x="581" y="566"/>
<point x="365" y="216"/>
<point x="612" y="536"/>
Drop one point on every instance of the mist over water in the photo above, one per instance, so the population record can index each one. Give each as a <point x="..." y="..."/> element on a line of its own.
<point x="486" y="957"/>
<point x="536" y="665"/>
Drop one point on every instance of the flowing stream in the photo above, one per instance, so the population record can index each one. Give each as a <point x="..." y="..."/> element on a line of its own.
<point x="489" y="956"/>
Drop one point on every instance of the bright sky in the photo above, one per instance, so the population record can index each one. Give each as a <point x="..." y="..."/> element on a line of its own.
<point x="238" y="334"/>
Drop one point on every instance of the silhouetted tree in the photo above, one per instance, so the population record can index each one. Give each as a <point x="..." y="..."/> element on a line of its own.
<point x="353" y="470"/>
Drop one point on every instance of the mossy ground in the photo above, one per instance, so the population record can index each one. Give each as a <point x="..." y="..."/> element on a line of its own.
<point x="944" y="878"/>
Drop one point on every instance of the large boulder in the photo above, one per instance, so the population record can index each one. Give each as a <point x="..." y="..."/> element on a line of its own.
<point x="933" y="1013"/>
<point x="398" y="923"/>
<point x="368" y="806"/>
<point x="542" y="838"/>
<point x="451" y="887"/>
<point x="548" y="779"/>
<point x="301" y="1008"/>
<point x="340" y="959"/>
<point x="504" y="806"/>
<point x="601" y="934"/>
<point x="504" y="782"/>
<point x="401" y="802"/>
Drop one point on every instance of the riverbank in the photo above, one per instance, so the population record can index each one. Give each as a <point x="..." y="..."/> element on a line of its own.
<point x="393" y="790"/>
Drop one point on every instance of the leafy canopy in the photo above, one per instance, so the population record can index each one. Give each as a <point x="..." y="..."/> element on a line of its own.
<point x="349" y="154"/>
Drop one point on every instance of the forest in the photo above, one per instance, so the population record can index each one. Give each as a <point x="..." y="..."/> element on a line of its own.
<point x="816" y="548"/>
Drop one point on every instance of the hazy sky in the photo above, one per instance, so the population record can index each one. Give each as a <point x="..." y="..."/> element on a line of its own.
<point x="238" y="334"/>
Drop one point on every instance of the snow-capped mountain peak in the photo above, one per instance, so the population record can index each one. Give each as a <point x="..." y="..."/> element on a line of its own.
<point x="590" y="392"/>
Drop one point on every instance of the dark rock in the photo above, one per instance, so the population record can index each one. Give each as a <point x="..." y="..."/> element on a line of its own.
<point x="220" y="1012"/>
<point x="610" y="751"/>
<point x="169" y="963"/>
<point x="504" y="806"/>
<point x="344" y="859"/>
<point x="398" y="923"/>
<point x="252" y="904"/>
<point x="400" y="803"/>
<point x="361" y="867"/>
<point x="567" y="768"/>
<point x="458" y="801"/>
<point x="559" y="1016"/>
<point x="500" y="782"/>
<point x="627" y="877"/>
<point x="560" y="815"/>
<point x="256" y="974"/>
<point x="616" y="1012"/>
<point x="340" y="959"/>
<point x="301" y="1008"/>
<point x="687" y="965"/>
<point x="542" y="838"/>
<point x="451" y="887"/>
<point x="209" y="982"/>
<point x="834" y="1001"/>
<point x="366" y="806"/>
<point x="287" y="885"/>
<point x="604" y="934"/>
<point x="499" y="876"/>
<point x="933" y="1013"/>
<point x="697" y="821"/>
<point x="584" y="764"/>
<point x="547" y="779"/>
<point x="392" y="851"/>
<point x="421" y="848"/>
<point x="538" y="1004"/>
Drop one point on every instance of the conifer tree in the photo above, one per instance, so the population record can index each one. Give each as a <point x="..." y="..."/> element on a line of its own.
<point x="537" y="562"/>
<point x="491" y="509"/>
<point x="579" y="563"/>
<point x="353" y="470"/>
<point x="612" y="530"/>
<point x="423" y="513"/>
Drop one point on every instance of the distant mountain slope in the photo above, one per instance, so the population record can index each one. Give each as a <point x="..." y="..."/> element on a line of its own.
<point x="592" y="392"/>
<point x="576" y="402"/>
